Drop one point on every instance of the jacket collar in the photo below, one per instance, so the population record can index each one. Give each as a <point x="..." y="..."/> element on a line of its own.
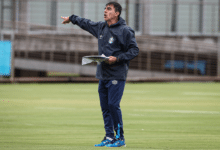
<point x="121" y="21"/>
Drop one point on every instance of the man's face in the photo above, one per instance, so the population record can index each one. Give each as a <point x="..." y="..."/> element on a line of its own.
<point x="110" y="14"/>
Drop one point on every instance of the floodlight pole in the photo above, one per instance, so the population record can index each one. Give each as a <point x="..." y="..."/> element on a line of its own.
<point x="1" y="23"/>
<point x="218" y="59"/>
<point x="1" y="34"/>
<point x="12" y="79"/>
<point x="146" y="18"/>
<point x="127" y="12"/>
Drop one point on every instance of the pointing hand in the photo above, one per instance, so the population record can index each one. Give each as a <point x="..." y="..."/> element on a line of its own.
<point x="66" y="20"/>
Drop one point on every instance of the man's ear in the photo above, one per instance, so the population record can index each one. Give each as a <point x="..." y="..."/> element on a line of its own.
<point x="117" y="13"/>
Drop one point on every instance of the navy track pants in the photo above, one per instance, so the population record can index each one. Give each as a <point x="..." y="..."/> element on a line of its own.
<point x="110" y="94"/>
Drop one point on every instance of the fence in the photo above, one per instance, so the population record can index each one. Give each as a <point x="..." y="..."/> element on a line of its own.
<point x="157" y="17"/>
<point x="39" y="34"/>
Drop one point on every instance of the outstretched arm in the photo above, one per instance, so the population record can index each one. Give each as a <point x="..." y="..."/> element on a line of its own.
<point x="85" y="24"/>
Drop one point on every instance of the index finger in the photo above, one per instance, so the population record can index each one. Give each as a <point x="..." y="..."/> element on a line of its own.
<point x="64" y="17"/>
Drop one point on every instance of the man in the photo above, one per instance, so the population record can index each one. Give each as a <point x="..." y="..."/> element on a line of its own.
<point x="117" y="41"/>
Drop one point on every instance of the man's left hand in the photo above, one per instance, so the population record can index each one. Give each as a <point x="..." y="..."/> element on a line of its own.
<point x="111" y="60"/>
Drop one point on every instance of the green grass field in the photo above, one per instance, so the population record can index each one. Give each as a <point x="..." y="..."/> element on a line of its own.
<point x="68" y="116"/>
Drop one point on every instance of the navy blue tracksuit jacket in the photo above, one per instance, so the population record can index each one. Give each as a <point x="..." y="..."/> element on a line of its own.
<point x="116" y="40"/>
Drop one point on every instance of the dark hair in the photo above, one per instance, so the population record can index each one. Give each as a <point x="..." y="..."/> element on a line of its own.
<point x="117" y="7"/>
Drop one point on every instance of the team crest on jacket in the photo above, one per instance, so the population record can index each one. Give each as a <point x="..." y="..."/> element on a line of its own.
<point x="114" y="82"/>
<point x="111" y="40"/>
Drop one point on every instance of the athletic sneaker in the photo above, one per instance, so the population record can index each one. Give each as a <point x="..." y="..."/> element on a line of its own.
<point x="116" y="143"/>
<point x="104" y="142"/>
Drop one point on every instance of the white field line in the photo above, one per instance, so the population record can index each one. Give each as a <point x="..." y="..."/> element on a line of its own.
<point x="178" y="111"/>
<point x="201" y="93"/>
<point x="80" y="90"/>
<point x="137" y="92"/>
<point x="64" y="108"/>
<point x="55" y="108"/>
<point x="96" y="90"/>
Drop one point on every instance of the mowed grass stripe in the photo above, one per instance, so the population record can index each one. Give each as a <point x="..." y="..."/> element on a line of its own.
<point x="68" y="116"/>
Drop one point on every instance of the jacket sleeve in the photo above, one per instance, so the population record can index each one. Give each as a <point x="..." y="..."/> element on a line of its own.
<point x="86" y="24"/>
<point x="131" y="48"/>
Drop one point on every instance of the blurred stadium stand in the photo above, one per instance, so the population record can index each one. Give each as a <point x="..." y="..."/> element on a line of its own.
<point x="177" y="38"/>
